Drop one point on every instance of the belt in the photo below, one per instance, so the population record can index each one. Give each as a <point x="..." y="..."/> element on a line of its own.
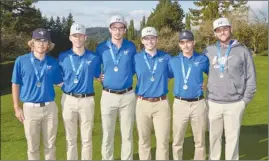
<point x="154" y="99"/>
<point x="190" y="99"/>
<point x="118" y="92"/>
<point x="77" y="95"/>
<point x="42" y="104"/>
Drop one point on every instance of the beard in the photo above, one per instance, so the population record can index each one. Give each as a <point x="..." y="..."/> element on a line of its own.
<point x="226" y="40"/>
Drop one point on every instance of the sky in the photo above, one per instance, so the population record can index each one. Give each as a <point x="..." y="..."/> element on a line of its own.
<point x="98" y="13"/>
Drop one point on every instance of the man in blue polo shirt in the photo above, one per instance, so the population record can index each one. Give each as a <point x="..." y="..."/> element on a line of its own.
<point x="189" y="104"/>
<point x="32" y="82"/>
<point x="151" y="67"/>
<point x="117" y="96"/>
<point x="79" y="67"/>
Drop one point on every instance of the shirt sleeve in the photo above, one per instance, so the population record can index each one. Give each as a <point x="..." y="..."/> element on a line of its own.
<point x="170" y="71"/>
<point x="133" y="55"/>
<point x="206" y="67"/>
<point x="58" y="76"/>
<point x="16" y="75"/>
<point x="97" y="70"/>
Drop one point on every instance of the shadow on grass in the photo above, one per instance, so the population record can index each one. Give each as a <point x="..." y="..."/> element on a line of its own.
<point x="253" y="145"/>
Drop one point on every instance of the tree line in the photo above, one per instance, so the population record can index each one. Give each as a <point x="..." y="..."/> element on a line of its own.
<point x="20" y="18"/>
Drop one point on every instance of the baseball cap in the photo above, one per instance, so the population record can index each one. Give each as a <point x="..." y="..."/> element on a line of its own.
<point x="221" y="22"/>
<point x="148" y="31"/>
<point x="186" y="34"/>
<point x="41" y="33"/>
<point x="77" y="29"/>
<point x="119" y="19"/>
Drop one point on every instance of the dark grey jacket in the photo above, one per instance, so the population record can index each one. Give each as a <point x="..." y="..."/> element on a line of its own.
<point x="239" y="81"/>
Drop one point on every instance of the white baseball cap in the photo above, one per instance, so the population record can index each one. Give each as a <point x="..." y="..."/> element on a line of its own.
<point x="148" y="31"/>
<point x="119" y="19"/>
<point x="221" y="22"/>
<point x="77" y="29"/>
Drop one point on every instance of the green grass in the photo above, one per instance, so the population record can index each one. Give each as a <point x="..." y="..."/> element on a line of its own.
<point x="253" y="139"/>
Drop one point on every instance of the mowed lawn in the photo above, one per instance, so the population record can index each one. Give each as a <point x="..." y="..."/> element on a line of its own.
<point x="253" y="139"/>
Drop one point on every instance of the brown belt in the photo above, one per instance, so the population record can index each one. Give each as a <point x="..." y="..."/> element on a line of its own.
<point x="154" y="99"/>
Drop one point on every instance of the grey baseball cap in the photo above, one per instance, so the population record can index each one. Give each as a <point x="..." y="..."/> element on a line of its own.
<point x="117" y="19"/>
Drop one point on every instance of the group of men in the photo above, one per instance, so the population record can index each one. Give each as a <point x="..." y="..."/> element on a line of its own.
<point x="231" y="85"/>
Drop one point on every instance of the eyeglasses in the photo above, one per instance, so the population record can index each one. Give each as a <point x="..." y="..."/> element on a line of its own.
<point x="118" y="29"/>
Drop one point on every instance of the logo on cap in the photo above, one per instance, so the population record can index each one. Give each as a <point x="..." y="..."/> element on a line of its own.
<point x="78" y="28"/>
<point x="149" y="30"/>
<point x="41" y="33"/>
<point x="220" y="22"/>
<point x="118" y="19"/>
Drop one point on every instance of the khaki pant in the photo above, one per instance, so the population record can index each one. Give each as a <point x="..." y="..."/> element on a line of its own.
<point x="184" y="111"/>
<point x="158" y="114"/>
<point x="82" y="110"/>
<point x="41" y="120"/>
<point x="111" y="106"/>
<point x="227" y="116"/>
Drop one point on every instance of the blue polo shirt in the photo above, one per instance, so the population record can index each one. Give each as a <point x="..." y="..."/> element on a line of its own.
<point x="145" y="87"/>
<point x="24" y="75"/>
<point x="199" y="64"/>
<point x="123" y="78"/>
<point x="90" y="68"/>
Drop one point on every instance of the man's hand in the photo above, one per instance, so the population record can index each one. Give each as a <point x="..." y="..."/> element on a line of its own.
<point x="19" y="114"/>
<point x="101" y="78"/>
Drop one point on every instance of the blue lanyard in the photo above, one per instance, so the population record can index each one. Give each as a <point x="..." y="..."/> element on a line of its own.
<point x="116" y="60"/>
<point x="185" y="78"/>
<point x="73" y="66"/>
<point x="155" y="64"/>
<point x="36" y="71"/>
<point x="222" y="65"/>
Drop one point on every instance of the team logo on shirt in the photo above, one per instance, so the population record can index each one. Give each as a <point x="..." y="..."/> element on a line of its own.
<point x="217" y="61"/>
<point x="126" y="52"/>
<point x="88" y="62"/>
<point x="196" y="63"/>
<point x="160" y="60"/>
<point x="49" y="67"/>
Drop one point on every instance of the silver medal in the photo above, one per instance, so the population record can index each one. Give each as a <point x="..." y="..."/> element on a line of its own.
<point x="152" y="79"/>
<point x="116" y="69"/>
<point x="38" y="84"/>
<point x="76" y="80"/>
<point x="185" y="87"/>
<point x="221" y="75"/>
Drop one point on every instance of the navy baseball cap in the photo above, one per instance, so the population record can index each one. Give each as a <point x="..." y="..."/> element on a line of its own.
<point x="41" y="33"/>
<point x="186" y="34"/>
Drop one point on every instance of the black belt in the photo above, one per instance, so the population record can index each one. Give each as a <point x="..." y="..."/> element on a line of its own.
<point x="118" y="92"/>
<point x="42" y="104"/>
<point x="190" y="99"/>
<point x="80" y="95"/>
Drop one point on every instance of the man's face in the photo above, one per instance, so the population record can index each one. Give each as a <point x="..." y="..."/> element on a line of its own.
<point x="186" y="45"/>
<point x="223" y="33"/>
<point x="78" y="40"/>
<point x="117" y="30"/>
<point x="149" y="42"/>
<point x="41" y="45"/>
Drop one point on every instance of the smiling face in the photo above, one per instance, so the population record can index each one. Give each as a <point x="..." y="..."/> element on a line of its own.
<point x="117" y="30"/>
<point x="186" y="46"/>
<point x="41" y="46"/>
<point x="78" y="40"/>
<point x="150" y="42"/>
<point x="223" y="33"/>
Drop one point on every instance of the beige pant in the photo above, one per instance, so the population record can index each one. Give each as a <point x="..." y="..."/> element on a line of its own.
<point x="184" y="111"/>
<point x="227" y="116"/>
<point x="111" y="106"/>
<point x="41" y="120"/>
<point x="82" y="110"/>
<point x="158" y="114"/>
